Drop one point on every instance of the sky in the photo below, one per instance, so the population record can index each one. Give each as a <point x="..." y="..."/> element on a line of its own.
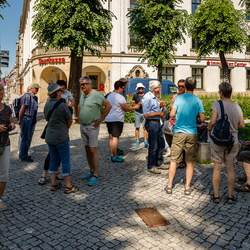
<point x="9" y="27"/>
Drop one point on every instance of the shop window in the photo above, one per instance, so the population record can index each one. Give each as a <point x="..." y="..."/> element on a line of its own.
<point x="197" y="73"/>
<point x="248" y="79"/>
<point x="221" y="76"/>
<point x="195" y="5"/>
<point x="168" y="73"/>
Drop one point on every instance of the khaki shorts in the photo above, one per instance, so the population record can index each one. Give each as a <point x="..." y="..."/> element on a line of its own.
<point x="90" y="134"/>
<point x="219" y="154"/>
<point x="187" y="141"/>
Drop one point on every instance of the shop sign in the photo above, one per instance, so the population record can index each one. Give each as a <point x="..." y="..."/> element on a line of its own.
<point x="234" y="64"/>
<point x="51" y="60"/>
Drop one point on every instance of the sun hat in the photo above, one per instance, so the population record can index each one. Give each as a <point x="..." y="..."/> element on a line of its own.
<point x="35" y="85"/>
<point x="52" y="88"/>
<point x="139" y="85"/>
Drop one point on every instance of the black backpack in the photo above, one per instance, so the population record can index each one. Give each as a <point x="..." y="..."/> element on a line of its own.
<point x="17" y="105"/>
<point x="220" y="133"/>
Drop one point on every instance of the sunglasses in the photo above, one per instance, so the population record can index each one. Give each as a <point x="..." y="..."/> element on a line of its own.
<point x="84" y="84"/>
<point x="140" y="88"/>
<point x="181" y="86"/>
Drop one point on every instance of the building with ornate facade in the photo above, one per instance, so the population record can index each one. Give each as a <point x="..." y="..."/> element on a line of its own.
<point x="34" y="64"/>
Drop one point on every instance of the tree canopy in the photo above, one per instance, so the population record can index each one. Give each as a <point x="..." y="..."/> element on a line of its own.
<point x="3" y="4"/>
<point x="218" y="27"/>
<point x="157" y="25"/>
<point x="78" y="24"/>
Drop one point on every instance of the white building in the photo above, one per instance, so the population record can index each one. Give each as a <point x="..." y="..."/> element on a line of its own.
<point x="36" y="65"/>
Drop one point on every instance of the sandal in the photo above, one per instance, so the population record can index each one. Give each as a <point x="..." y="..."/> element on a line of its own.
<point x="168" y="190"/>
<point x="55" y="187"/>
<point x="187" y="191"/>
<point x="71" y="189"/>
<point x="59" y="177"/>
<point x="231" y="201"/>
<point x="243" y="188"/>
<point x="42" y="180"/>
<point x="216" y="200"/>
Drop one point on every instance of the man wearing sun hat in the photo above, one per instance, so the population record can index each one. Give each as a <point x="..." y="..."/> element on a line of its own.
<point x="139" y="118"/>
<point x="27" y="120"/>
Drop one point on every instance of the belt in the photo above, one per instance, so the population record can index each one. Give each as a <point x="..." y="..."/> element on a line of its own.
<point x="27" y="115"/>
<point x="155" y="120"/>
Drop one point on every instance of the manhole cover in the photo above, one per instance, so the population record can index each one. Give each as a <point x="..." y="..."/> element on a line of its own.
<point x="152" y="217"/>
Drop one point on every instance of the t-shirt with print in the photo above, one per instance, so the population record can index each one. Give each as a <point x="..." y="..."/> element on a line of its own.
<point x="138" y="99"/>
<point x="5" y="119"/>
<point x="116" y="114"/>
<point x="90" y="107"/>
<point x="234" y="114"/>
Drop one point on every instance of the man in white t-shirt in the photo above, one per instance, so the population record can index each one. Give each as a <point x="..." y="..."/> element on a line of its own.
<point x="115" y="118"/>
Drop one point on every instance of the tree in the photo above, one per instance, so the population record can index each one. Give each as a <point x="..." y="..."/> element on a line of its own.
<point x="78" y="24"/>
<point x="157" y="26"/>
<point x="3" y="4"/>
<point x="218" y="27"/>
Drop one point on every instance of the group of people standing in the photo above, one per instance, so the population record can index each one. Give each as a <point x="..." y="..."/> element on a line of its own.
<point x="185" y="109"/>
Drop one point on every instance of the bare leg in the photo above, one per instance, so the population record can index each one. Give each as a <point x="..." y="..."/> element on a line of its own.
<point x="247" y="171"/>
<point x="67" y="181"/>
<point x="53" y="179"/>
<point x="171" y="173"/>
<point x="113" y="145"/>
<point x="189" y="174"/>
<point x="2" y="188"/>
<point x="137" y="134"/>
<point x="93" y="159"/>
<point x="230" y="180"/>
<point x="145" y="133"/>
<point x="216" y="178"/>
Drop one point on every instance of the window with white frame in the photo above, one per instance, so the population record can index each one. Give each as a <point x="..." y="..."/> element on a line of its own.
<point x="248" y="79"/>
<point x="197" y="73"/>
<point x="195" y="5"/>
<point x="222" y="77"/>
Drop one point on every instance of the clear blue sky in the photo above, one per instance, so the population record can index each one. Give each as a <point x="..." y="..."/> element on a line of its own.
<point x="9" y="27"/>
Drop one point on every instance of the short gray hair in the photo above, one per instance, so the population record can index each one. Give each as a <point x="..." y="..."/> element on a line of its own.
<point x="85" y="78"/>
<point x="154" y="84"/>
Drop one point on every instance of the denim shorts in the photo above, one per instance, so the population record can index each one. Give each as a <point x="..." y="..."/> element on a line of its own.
<point x="139" y="118"/>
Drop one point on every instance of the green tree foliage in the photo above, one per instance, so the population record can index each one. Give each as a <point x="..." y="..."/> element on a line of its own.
<point x="218" y="27"/>
<point x="78" y="24"/>
<point x="157" y="26"/>
<point x="3" y="4"/>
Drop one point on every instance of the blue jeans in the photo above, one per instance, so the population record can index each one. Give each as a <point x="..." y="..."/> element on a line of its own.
<point x="27" y="130"/>
<point x="156" y="143"/>
<point x="57" y="152"/>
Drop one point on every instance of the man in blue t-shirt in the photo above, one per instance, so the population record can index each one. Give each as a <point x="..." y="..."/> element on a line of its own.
<point x="186" y="108"/>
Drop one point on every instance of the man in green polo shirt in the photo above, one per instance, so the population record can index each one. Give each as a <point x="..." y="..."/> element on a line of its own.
<point x="90" y="118"/>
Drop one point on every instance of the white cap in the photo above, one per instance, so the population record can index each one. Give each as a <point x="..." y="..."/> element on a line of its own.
<point x="139" y="85"/>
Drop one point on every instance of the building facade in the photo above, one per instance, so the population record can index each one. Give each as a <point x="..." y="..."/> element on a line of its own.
<point x="34" y="64"/>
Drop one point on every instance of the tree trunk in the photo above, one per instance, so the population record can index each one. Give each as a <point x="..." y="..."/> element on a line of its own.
<point x="74" y="76"/>
<point x="159" y="76"/>
<point x="225" y="69"/>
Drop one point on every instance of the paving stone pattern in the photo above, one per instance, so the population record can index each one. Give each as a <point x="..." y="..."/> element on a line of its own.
<point x="103" y="216"/>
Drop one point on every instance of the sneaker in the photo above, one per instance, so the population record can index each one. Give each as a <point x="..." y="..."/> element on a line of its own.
<point x="145" y="144"/>
<point x="27" y="160"/>
<point x="117" y="159"/>
<point x="119" y="151"/>
<point x="89" y="175"/>
<point x="163" y="166"/>
<point x="3" y="206"/>
<point x="137" y="144"/>
<point x="154" y="170"/>
<point x="93" y="181"/>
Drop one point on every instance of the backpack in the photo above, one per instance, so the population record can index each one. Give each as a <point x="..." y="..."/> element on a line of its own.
<point x="220" y="133"/>
<point x="17" y="106"/>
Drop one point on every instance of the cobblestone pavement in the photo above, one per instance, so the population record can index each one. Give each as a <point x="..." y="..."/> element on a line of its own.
<point x="103" y="216"/>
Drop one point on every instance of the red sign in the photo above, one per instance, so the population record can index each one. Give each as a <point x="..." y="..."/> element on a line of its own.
<point x="51" y="60"/>
<point x="235" y="64"/>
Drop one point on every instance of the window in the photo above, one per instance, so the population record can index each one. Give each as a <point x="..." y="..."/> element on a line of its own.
<point x="197" y="73"/>
<point x="132" y="4"/>
<point x="168" y="73"/>
<point x="248" y="47"/>
<point x="221" y="76"/>
<point x="248" y="79"/>
<point x="195" y="5"/>
<point x="194" y="44"/>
